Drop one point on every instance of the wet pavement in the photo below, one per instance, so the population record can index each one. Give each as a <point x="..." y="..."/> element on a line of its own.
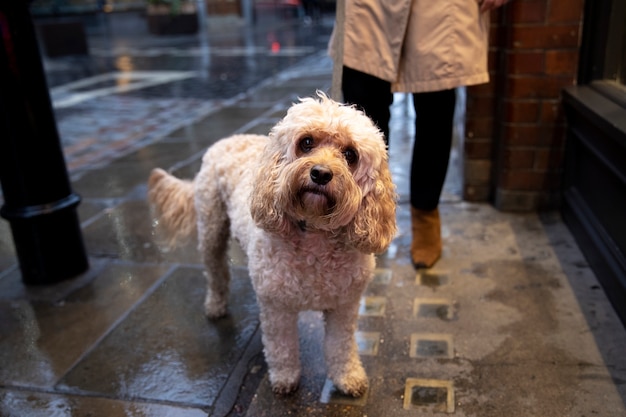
<point x="510" y="322"/>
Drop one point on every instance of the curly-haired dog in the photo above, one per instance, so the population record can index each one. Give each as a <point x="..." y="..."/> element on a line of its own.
<point x="309" y="205"/>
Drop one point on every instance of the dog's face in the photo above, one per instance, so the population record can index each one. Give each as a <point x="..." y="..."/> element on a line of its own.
<point x="325" y="169"/>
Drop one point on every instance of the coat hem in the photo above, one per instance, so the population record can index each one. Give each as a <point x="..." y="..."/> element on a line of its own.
<point x="440" y="84"/>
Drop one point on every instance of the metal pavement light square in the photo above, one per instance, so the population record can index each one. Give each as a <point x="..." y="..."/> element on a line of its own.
<point x="429" y="395"/>
<point x="368" y="342"/>
<point x="382" y="276"/>
<point x="432" y="278"/>
<point x="372" y="306"/>
<point x="431" y="345"/>
<point x="434" y="308"/>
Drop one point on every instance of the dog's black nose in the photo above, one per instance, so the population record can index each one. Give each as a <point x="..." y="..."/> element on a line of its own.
<point x="321" y="174"/>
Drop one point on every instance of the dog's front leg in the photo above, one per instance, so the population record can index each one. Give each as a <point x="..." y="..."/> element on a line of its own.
<point x="341" y="352"/>
<point x="281" y="347"/>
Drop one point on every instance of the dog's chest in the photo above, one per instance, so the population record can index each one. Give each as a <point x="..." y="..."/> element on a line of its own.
<point x="311" y="273"/>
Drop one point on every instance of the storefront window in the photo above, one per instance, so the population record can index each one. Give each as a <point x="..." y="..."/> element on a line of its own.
<point x="615" y="59"/>
<point x="603" y="49"/>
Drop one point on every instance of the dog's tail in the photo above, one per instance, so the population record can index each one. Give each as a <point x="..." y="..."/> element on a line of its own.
<point x="172" y="203"/>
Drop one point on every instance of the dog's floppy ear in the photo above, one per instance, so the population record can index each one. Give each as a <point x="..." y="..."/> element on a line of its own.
<point x="265" y="203"/>
<point x="374" y="225"/>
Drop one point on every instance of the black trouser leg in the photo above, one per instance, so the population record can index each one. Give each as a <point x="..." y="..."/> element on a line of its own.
<point x="370" y="94"/>
<point x="434" y="115"/>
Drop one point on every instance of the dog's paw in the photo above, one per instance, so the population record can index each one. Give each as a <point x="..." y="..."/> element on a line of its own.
<point x="285" y="384"/>
<point x="283" y="388"/>
<point x="354" y="384"/>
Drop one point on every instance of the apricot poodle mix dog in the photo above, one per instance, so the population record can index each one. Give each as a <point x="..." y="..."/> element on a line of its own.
<point x="310" y="205"/>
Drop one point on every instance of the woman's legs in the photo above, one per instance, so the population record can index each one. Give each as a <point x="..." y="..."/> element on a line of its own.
<point x="370" y="94"/>
<point x="434" y="115"/>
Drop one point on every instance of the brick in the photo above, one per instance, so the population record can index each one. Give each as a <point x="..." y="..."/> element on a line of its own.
<point x="522" y="111"/>
<point x="548" y="159"/>
<point x="479" y="106"/>
<point x="529" y="11"/>
<point x="560" y="11"/>
<point x="548" y="134"/>
<point x="478" y="128"/>
<point x="518" y="201"/>
<point x="476" y="192"/>
<point x="518" y="158"/>
<point x="535" y="87"/>
<point x="477" y="171"/>
<point x="544" y="37"/>
<point x="551" y="111"/>
<point x="562" y="62"/>
<point x="477" y="149"/>
<point x="515" y="134"/>
<point x="482" y="90"/>
<point x="553" y="135"/>
<point x="524" y="62"/>
<point x="527" y="180"/>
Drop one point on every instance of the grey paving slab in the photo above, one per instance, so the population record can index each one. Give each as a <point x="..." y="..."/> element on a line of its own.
<point x="99" y="130"/>
<point x="166" y="349"/>
<point x="121" y="177"/>
<point x="41" y="341"/>
<point x="219" y="124"/>
<point x="125" y="232"/>
<point x="38" y="404"/>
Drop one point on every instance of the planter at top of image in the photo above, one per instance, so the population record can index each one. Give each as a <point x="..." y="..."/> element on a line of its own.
<point x="163" y="21"/>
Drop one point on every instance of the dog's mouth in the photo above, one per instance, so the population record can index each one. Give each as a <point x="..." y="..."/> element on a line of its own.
<point x="312" y="197"/>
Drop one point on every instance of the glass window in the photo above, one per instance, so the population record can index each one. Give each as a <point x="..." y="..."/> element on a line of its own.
<point x="603" y="49"/>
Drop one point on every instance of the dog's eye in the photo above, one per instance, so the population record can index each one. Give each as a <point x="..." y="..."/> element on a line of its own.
<point x="306" y="144"/>
<point x="351" y="156"/>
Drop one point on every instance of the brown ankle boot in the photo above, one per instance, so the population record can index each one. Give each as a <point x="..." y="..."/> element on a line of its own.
<point x="426" y="244"/>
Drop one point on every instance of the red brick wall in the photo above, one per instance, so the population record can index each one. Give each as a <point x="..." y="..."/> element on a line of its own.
<point x="514" y="139"/>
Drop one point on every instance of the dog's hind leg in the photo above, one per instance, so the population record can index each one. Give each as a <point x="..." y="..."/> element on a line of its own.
<point x="213" y="235"/>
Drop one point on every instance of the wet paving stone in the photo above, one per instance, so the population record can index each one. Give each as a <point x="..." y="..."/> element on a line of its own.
<point x="19" y="403"/>
<point x="40" y="341"/>
<point x="126" y="232"/>
<point x="331" y="395"/>
<point x="121" y="177"/>
<point x="177" y="355"/>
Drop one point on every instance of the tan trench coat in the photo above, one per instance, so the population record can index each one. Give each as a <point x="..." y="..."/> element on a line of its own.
<point x="417" y="45"/>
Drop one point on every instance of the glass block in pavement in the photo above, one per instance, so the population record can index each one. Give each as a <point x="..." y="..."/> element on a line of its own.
<point x="429" y="395"/>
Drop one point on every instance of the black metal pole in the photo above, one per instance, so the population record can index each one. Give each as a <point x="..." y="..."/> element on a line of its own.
<point x="38" y="200"/>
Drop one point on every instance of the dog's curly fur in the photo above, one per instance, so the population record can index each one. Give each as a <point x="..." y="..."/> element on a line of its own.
<point x="310" y="205"/>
